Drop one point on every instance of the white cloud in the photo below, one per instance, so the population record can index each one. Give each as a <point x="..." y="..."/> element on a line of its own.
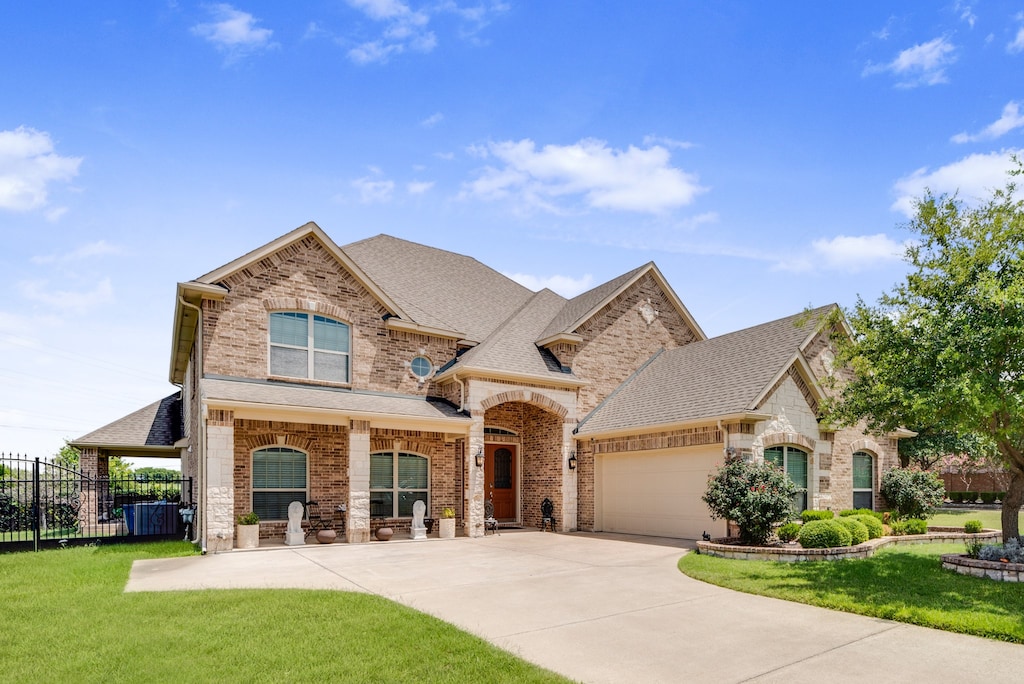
<point x="68" y="300"/>
<point x="233" y="32"/>
<point x="567" y="286"/>
<point x="971" y="179"/>
<point x="371" y="190"/>
<point x="590" y="172"/>
<point x="1010" y="119"/>
<point x="670" y="143"/>
<point x="923" y="64"/>
<point x="857" y="253"/>
<point x="419" y="187"/>
<point x="432" y="120"/>
<point x="966" y="13"/>
<point x="404" y="29"/>
<point x="87" y="251"/>
<point x="28" y="164"/>
<point x="1017" y="44"/>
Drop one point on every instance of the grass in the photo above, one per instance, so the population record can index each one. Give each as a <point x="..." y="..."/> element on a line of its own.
<point x="67" y="618"/>
<point x="990" y="519"/>
<point x="903" y="583"/>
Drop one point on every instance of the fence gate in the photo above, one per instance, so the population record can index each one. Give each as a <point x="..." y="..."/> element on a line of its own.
<point x="47" y="505"/>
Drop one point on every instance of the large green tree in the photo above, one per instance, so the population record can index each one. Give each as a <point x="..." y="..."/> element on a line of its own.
<point x="946" y="347"/>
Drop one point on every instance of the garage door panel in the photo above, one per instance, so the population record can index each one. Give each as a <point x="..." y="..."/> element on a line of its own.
<point x="658" y="494"/>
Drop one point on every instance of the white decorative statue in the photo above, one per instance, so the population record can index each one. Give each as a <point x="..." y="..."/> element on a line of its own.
<point x="419" y="530"/>
<point x="294" y="536"/>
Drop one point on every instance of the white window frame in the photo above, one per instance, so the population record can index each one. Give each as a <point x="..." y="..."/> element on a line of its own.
<point x="861" y="490"/>
<point x="396" y="489"/>
<point x="310" y="348"/>
<point x="300" y="494"/>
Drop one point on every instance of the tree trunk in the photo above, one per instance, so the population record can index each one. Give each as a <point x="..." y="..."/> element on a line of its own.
<point x="1012" y="502"/>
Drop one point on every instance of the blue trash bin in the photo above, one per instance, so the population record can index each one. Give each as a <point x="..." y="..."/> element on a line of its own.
<point x="129" y="517"/>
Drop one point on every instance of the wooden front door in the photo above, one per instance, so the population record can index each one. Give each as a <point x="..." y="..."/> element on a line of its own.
<point x="500" y="480"/>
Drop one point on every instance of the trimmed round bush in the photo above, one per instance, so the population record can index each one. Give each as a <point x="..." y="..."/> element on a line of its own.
<point x="988" y="497"/>
<point x="756" y="496"/>
<point x="861" y="511"/>
<point x="808" y="516"/>
<point x="788" y="532"/>
<point x="858" y="530"/>
<point x="824" y="534"/>
<point x="909" y="526"/>
<point x="873" y="525"/>
<point x="972" y="526"/>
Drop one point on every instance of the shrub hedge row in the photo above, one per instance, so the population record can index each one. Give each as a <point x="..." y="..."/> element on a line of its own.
<point x="972" y="497"/>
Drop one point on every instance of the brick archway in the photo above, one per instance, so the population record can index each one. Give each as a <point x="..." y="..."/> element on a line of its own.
<point x="526" y="397"/>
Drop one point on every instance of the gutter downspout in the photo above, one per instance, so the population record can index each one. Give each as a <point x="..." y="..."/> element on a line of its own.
<point x="725" y="438"/>
<point x="201" y="456"/>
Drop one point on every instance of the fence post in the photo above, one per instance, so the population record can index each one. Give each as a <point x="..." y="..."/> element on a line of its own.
<point x="35" y="505"/>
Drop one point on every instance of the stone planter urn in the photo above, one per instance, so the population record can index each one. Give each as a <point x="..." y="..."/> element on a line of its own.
<point x="384" y="533"/>
<point x="446" y="528"/>
<point x="247" y="536"/>
<point x="326" y="536"/>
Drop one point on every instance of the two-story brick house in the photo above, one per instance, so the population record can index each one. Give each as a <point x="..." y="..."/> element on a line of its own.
<point x="383" y="372"/>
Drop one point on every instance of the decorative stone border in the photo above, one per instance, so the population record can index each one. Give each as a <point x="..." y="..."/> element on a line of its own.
<point x="997" y="570"/>
<point x="794" y="553"/>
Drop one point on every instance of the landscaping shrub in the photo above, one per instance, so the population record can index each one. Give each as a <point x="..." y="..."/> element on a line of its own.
<point x="808" y="516"/>
<point x="912" y="493"/>
<point x="873" y="525"/>
<point x="1012" y="552"/>
<point x="861" y="511"/>
<point x="972" y="526"/>
<point x="858" y="530"/>
<point x="788" y="532"/>
<point x="988" y="497"/>
<point x="756" y="496"/>
<point x="1000" y="496"/>
<point x="824" y="534"/>
<point x="909" y="526"/>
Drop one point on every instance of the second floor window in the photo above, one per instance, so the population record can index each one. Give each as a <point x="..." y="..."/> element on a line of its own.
<point x="306" y="345"/>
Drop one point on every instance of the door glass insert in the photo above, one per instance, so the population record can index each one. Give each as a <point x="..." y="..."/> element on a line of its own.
<point x="503" y="469"/>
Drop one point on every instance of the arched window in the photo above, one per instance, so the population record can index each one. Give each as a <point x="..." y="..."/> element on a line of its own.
<point x="863" y="480"/>
<point x="397" y="480"/>
<point x="306" y="345"/>
<point x="278" y="478"/>
<point x="793" y="462"/>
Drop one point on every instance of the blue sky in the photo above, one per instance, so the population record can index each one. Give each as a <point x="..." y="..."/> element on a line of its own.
<point x="764" y="155"/>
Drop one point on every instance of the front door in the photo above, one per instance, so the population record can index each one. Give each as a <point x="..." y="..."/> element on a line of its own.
<point x="500" y="480"/>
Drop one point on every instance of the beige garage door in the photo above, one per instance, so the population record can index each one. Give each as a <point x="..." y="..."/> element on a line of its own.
<point x="657" y="494"/>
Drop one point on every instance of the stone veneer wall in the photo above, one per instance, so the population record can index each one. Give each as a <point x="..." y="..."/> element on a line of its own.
<point x="304" y="276"/>
<point x="327" y="463"/>
<point x="618" y="340"/>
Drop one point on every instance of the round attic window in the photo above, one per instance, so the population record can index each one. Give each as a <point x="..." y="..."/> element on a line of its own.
<point x="421" y="367"/>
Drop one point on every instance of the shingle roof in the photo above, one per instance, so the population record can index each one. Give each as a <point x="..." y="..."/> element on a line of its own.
<point x="512" y="346"/>
<point x="342" y="400"/>
<point x="156" y="425"/>
<point x="438" y="288"/>
<point x="581" y="304"/>
<point x="721" y="376"/>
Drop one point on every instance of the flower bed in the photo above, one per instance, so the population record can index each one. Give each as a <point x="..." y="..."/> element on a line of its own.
<point x="794" y="553"/>
<point x="1001" y="572"/>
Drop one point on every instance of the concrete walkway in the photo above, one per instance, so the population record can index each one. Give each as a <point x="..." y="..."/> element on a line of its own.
<point x="605" y="608"/>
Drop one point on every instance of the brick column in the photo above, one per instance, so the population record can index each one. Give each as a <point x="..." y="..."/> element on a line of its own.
<point x="570" y="491"/>
<point x="358" y="528"/>
<point x="88" y="466"/>
<point x="220" y="481"/>
<point x="474" y="520"/>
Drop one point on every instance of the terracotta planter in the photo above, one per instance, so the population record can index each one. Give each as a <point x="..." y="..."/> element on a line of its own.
<point x="326" y="536"/>
<point x="446" y="528"/>
<point x="384" y="533"/>
<point x="247" y="536"/>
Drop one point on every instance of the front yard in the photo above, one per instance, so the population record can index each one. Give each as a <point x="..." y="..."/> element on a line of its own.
<point x="903" y="583"/>
<point x="66" y="618"/>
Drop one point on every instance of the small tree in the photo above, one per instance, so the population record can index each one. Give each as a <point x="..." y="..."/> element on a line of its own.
<point x="756" y="496"/>
<point x="912" y="493"/>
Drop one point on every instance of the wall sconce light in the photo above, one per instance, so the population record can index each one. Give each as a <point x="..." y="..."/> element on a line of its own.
<point x="479" y="458"/>
<point x="572" y="460"/>
<point x="730" y="451"/>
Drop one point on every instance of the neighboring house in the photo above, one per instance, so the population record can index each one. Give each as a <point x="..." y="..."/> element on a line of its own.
<point x="375" y="374"/>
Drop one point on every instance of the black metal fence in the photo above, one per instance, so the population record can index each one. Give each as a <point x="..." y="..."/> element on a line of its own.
<point x="46" y="505"/>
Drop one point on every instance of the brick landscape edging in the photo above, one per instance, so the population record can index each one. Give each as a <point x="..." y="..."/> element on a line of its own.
<point x="997" y="570"/>
<point x="794" y="553"/>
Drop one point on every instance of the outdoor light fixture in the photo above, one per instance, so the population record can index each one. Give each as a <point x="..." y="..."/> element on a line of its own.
<point x="479" y="458"/>
<point x="572" y="460"/>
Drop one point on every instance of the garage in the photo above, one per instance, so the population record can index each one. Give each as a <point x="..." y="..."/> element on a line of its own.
<point x="656" y="493"/>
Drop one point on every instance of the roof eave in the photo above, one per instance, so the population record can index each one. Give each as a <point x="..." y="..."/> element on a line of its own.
<point x="750" y="416"/>
<point x="467" y="372"/>
<point x="570" y="338"/>
<point x="183" y="333"/>
<point x="332" y="416"/>
<point x="409" y="326"/>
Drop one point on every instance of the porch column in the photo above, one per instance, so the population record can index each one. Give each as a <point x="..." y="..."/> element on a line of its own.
<point x="358" y="529"/>
<point x="88" y="466"/>
<point x="474" y="516"/>
<point x="570" y="490"/>
<point x="220" y="481"/>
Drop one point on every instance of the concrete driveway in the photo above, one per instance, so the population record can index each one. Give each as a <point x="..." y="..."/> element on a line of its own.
<point x="605" y="608"/>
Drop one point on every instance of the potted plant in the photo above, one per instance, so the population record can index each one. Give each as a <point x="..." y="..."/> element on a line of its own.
<point x="446" y="525"/>
<point x="248" y="536"/>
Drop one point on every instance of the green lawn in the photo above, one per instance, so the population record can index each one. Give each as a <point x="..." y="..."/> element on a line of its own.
<point x="989" y="519"/>
<point x="66" y="618"/>
<point x="904" y="583"/>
